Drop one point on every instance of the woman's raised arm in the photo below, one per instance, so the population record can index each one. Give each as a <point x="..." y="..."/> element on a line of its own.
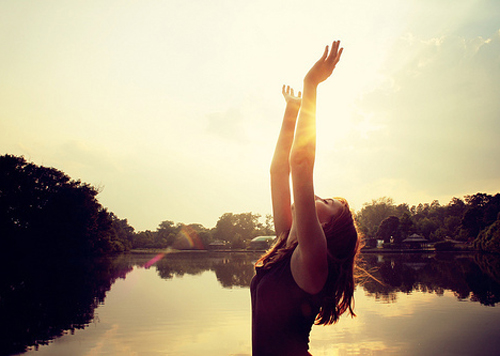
<point x="309" y="262"/>
<point x="280" y="166"/>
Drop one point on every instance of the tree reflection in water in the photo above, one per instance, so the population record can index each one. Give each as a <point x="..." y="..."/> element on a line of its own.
<point x="43" y="299"/>
<point x="231" y="269"/>
<point x="474" y="277"/>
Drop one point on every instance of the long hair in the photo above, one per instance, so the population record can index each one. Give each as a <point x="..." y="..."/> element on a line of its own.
<point x="343" y="249"/>
<point x="277" y="252"/>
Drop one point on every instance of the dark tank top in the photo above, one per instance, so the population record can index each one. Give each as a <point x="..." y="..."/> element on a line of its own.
<point x="282" y="313"/>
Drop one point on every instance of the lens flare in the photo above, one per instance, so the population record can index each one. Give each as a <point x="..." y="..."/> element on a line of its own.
<point x="191" y="236"/>
<point x="154" y="260"/>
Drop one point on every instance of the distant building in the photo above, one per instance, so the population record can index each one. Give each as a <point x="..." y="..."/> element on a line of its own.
<point x="415" y="241"/>
<point x="217" y="245"/>
<point x="261" y="242"/>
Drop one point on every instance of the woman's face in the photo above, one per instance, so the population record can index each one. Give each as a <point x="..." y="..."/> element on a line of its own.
<point x="327" y="208"/>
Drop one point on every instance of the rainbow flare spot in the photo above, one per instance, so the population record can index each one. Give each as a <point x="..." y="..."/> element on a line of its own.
<point x="154" y="260"/>
<point x="192" y="237"/>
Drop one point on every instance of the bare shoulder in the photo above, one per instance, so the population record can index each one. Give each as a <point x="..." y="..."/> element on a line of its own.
<point x="309" y="272"/>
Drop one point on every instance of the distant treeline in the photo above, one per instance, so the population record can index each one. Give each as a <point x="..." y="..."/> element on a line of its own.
<point x="233" y="230"/>
<point x="44" y="211"/>
<point x="474" y="220"/>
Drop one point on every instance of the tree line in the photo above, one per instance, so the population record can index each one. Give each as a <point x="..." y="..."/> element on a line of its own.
<point x="474" y="220"/>
<point x="231" y="231"/>
<point x="44" y="210"/>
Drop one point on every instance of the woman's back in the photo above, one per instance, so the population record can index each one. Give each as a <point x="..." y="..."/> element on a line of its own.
<point x="282" y="313"/>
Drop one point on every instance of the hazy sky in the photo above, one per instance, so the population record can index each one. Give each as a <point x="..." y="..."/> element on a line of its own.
<point x="172" y="107"/>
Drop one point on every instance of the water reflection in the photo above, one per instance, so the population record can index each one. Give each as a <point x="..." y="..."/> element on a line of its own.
<point x="470" y="277"/>
<point x="475" y="277"/>
<point x="231" y="269"/>
<point x="41" y="300"/>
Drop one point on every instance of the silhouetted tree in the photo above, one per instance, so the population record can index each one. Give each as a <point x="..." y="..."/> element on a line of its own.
<point x="237" y="229"/>
<point x="481" y="211"/>
<point x="489" y="238"/>
<point x="123" y="232"/>
<point x="405" y="225"/>
<point x="43" y="210"/>
<point x="166" y="233"/>
<point x="389" y="229"/>
<point x="459" y="220"/>
<point x="267" y="229"/>
<point x="144" y="239"/>
<point x="371" y="215"/>
<point x="427" y="226"/>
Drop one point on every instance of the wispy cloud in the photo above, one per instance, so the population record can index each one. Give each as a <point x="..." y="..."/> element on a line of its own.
<point x="440" y="113"/>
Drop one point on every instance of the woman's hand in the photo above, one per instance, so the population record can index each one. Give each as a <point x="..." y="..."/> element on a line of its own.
<point x="324" y="67"/>
<point x="290" y="98"/>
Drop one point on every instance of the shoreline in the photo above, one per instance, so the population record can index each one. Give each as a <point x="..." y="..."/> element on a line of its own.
<point x="363" y="251"/>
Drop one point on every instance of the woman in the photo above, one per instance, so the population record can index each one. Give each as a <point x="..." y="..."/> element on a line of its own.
<point x="307" y="276"/>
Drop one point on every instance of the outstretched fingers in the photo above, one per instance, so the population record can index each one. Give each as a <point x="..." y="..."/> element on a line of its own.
<point x="335" y="53"/>
<point x="290" y="97"/>
<point x="325" y="54"/>
<point x="336" y="58"/>
<point x="324" y="67"/>
<point x="287" y="90"/>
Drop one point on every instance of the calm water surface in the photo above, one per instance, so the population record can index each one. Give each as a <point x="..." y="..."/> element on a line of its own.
<point x="199" y="304"/>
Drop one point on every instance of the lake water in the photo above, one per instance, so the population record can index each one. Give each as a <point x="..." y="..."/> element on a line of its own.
<point x="198" y="303"/>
